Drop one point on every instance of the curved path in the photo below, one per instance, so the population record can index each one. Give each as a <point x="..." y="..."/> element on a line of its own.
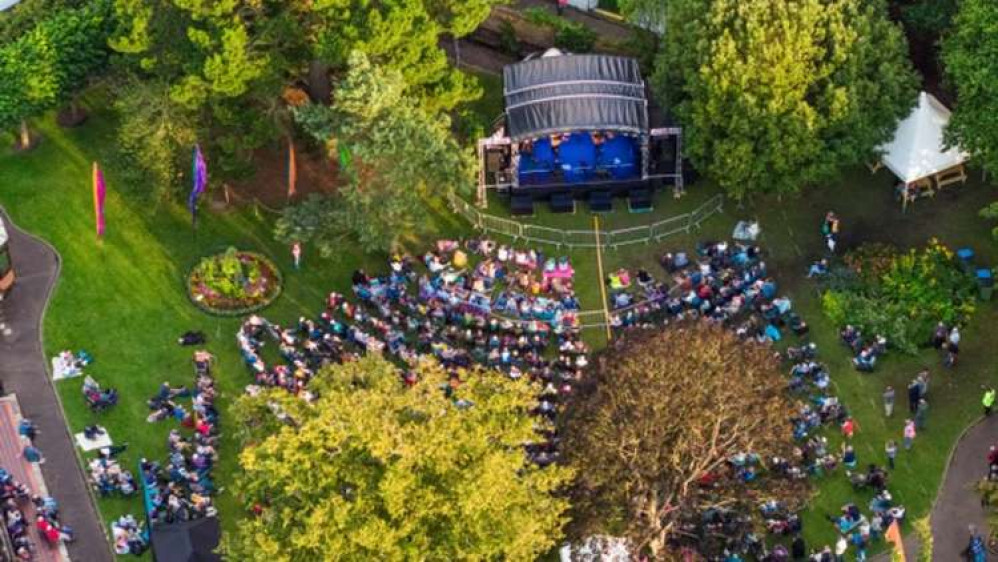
<point x="958" y="504"/>
<point x="23" y="372"/>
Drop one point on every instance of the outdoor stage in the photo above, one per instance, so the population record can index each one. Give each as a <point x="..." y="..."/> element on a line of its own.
<point x="579" y="160"/>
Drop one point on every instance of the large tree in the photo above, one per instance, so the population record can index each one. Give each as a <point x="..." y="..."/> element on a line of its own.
<point x="662" y="413"/>
<point x="401" y="155"/>
<point x="373" y="470"/>
<point x="48" y="64"/>
<point x="970" y="55"/>
<point x="775" y="96"/>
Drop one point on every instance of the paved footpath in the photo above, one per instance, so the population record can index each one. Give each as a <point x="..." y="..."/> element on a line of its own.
<point x="23" y="372"/>
<point x="959" y="505"/>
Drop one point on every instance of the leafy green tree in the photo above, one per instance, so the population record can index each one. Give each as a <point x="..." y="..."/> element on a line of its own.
<point x="372" y="470"/>
<point x="663" y="412"/>
<point x="155" y="135"/>
<point x="775" y="96"/>
<point x="228" y="62"/>
<point x="972" y="67"/>
<point x="403" y="35"/>
<point x="932" y="17"/>
<point x="402" y="155"/>
<point x="50" y="62"/>
<point x="26" y="14"/>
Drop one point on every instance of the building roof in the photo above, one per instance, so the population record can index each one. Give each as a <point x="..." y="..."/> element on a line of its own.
<point x="559" y="93"/>
<point x="918" y="149"/>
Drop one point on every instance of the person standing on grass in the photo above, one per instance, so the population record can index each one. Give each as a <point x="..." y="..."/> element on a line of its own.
<point x="923" y="383"/>
<point x="914" y="395"/>
<point x="891" y="449"/>
<point x="921" y="412"/>
<point x="988" y="400"/>
<point x="849" y="427"/>
<point x="296" y="254"/>
<point x="889" y="401"/>
<point x="909" y="433"/>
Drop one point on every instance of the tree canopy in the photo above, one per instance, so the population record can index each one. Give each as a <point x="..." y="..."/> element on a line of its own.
<point x="775" y="96"/>
<point x="48" y="63"/>
<point x="375" y="470"/>
<point x="227" y="63"/>
<point x="402" y="154"/>
<point x="664" y="412"/>
<point x="972" y="67"/>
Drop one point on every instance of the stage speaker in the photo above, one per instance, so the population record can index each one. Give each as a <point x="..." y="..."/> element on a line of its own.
<point x="640" y="200"/>
<point x="600" y="201"/>
<point x="562" y="203"/>
<point x="520" y="205"/>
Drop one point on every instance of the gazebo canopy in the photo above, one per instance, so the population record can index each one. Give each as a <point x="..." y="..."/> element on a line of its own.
<point x="559" y="93"/>
<point x="918" y="150"/>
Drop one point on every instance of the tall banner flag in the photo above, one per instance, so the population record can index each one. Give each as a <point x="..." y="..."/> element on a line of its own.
<point x="893" y="535"/>
<point x="292" y="170"/>
<point x="199" y="173"/>
<point x="100" y="192"/>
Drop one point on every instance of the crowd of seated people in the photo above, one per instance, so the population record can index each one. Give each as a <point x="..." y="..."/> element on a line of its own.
<point x="14" y="494"/>
<point x="130" y="536"/>
<point x="108" y="477"/>
<point x="183" y="490"/>
<point x="729" y="284"/>
<point x="98" y="399"/>
<point x="47" y="521"/>
<point x="865" y="353"/>
<point x="476" y="303"/>
<point x="629" y="293"/>
<point x="724" y="283"/>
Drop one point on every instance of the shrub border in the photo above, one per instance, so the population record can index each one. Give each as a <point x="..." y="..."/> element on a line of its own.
<point x="279" y="276"/>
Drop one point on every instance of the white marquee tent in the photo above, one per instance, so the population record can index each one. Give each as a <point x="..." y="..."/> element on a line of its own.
<point x="918" y="151"/>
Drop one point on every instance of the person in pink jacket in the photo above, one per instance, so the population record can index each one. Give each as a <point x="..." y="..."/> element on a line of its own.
<point x="909" y="433"/>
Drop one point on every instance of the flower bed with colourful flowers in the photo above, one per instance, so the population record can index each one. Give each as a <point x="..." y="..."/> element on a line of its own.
<point x="233" y="283"/>
<point x="900" y="295"/>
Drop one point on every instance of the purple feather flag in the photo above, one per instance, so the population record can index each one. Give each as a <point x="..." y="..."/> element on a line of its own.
<point x="199" y="172"/>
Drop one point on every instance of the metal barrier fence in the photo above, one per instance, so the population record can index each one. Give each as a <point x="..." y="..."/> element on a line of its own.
<point x="609" y="239"/>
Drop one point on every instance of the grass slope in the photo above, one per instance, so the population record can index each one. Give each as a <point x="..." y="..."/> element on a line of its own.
<point x="791" y="239"/>
<point x="123" y="300"/>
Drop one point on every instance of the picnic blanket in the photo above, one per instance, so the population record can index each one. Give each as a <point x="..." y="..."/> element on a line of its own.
<point x="64" y="368"/>
<point x="746" y="230"/>
<point x="102" y="440"/>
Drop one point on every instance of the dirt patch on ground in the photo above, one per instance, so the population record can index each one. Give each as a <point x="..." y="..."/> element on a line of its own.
<point x="269" y="184"/>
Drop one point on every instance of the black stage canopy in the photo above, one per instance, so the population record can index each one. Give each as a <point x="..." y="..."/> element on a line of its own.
<point x="563" y="93"/>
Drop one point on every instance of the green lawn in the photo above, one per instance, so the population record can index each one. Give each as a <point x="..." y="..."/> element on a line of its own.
<point x="791" y="239"/>
<point x="123" y="300"/>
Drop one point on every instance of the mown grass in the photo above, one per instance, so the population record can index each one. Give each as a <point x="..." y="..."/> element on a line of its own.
<point x="791" y="240"/>
<point x="123" y="299"/>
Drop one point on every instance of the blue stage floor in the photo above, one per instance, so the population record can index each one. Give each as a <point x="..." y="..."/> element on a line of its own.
<point x="578" y="160"/>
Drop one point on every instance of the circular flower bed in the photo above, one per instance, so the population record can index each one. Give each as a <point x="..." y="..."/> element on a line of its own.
<point x="233" y="283"/>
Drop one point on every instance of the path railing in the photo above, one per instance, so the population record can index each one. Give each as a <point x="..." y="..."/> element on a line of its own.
<point x="609" y="239"/>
